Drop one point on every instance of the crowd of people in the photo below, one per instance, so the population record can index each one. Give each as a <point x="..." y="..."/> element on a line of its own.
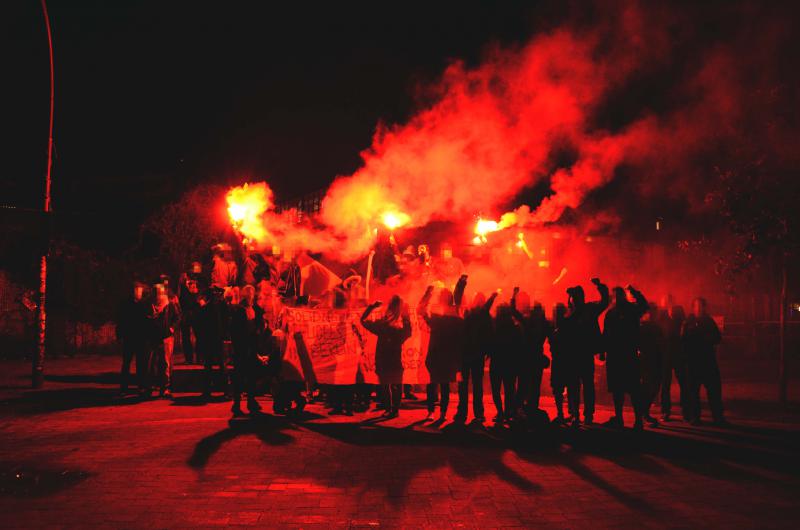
<point x="230" y="314"/>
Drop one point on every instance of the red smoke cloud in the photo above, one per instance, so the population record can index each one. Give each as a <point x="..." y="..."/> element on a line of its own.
<point x="488" y="136"/>
<point x="498" y="129"/>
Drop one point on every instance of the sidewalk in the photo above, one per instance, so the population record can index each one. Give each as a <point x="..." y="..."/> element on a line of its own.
<point x="75" y="455"/>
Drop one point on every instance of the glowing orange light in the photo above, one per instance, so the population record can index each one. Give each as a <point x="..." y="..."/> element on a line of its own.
<point x="485" y="226"/>
<point x="246" y="206"/>
<point x="394" y="219"/>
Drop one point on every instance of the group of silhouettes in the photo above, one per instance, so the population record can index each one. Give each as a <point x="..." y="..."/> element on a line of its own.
<point x="642" y="345"/>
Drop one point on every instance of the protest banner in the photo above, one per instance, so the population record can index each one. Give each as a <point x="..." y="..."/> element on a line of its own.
<point x="330" y="346"/>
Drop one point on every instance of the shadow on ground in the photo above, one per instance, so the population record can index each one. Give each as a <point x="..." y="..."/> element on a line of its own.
<point x="371" y="456"/>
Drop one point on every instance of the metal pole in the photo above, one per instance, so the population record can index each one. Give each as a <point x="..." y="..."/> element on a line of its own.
<point x="784" y="301"/>
<point x="37" y="368"/>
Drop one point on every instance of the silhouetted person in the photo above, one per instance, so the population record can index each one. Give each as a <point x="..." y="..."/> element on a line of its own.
<point x="445" y="345"/>
<point x="651" y="361"/>
<point x="392" y="330"/>
<point x="562" y="372"/>
<point x="585" y="342"/>
<point x="210" y="333"/>
<point x="384" y="262"/>
<point x="477" y="344"/>
<point x="700" y="336"/>
<point x="247" y="327"/>
<point x="187" y="296"/>
<point x="670" y="321"/>
<point x="166" y="318"/>
<point x="133" y="330"/>
<point x="621" y="339"/>
<point x="508" y="345"/>
<point x="532" y="362"/>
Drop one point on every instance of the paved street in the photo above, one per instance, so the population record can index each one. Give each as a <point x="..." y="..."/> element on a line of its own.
<point x="75" y="455"/>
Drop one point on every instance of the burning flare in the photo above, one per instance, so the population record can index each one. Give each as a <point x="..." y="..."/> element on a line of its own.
<point x="246" y="207"/>
<point x="487" y="226"/>
<point x="395" y="219"/>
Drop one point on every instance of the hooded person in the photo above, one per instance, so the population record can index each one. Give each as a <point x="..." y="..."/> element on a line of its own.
<point x="210" y="330"/>
<point x="585" y="342"/>
<point x="477" y="345"/>
<point x="392" y="330"/>
<point x="446" y="343"/>
<point x="562" y="375"/>
<point x="670" y="320"/>
<point x="700" y="336"/>
<point x="621" y="336"/>
<point x="508" y="345"/>
<point x="536" y="330"/>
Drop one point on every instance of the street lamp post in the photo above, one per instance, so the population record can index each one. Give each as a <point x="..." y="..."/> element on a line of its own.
<point x="37" y="368"/>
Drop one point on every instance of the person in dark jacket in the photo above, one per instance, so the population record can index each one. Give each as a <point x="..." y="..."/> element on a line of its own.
<point x="247" y="329"/>
<point x="585" y="342"/>
<point x="165" y="320"/>
<point x="651" y="361"/>
<point x="392" y="330"/>
<point x="621" y="340"/>
<point x="531" y="364"/>
<point x="670" y="321"/>
<point x="477" y="343"/>
<point x="700" y="336"/>
<point x="187" y="296"/>
<point x="133" y="330"/>
<point x="508" y="345"/>
<point x="210" y="333"/>
<point x="561" y="368"/>
<point x="445" y="346"/>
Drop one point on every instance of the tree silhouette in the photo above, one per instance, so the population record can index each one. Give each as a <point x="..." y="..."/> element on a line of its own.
<point x="187" y="228"/>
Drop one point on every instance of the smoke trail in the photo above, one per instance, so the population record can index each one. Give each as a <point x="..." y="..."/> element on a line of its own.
<point x="534" y="114"/>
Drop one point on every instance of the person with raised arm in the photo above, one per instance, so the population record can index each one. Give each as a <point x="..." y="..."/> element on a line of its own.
<point x="446" y="343"/>
<point x="392" y="330"/>
<point x="621" y="335"/>
<point x="477" y="345"/>
<point x="585" y="342"/>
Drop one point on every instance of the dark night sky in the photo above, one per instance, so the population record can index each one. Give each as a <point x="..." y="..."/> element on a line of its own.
<point x="153" y="97"/>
